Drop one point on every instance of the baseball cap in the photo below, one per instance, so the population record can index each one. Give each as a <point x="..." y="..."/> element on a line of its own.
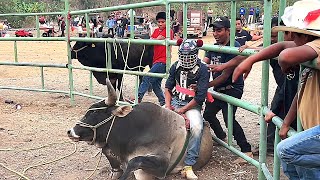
<point x="221" y="22"/>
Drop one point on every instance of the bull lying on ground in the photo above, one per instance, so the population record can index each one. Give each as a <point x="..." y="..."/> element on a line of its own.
<point x="93" y="54"/>
<point x="145" y="140"/>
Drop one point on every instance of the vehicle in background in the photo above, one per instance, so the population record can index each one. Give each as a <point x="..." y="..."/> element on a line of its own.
<point x="196" y="23"/>
<point x="23" y="33"/>
<point x="140" y="29"/>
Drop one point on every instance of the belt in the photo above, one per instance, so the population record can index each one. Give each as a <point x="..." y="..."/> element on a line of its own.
<point x="225" y="88"/>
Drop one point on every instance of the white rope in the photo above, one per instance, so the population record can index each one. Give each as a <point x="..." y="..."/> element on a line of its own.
<point x="107" y="60"/>
<point x="124" y="69"/>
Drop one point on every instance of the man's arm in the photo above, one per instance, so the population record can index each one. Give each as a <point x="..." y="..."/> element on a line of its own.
<point x="168" y="97"/>
<point x="267" y="53"/>
<point x="290" y="117"/>
<point x="206" y="60"/>
<point x="222" y="78"/>
<point x="187" y="107"/>
<point x="294" y="56"/>
<point x="234" y="62"/>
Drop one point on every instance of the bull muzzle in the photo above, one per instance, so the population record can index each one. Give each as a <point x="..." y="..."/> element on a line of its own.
<point x="73" y="136"/>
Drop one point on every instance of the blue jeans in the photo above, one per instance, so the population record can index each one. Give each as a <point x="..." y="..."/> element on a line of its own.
<point x="154" y="81"/>
<point x="300" y="155"/>
<point x="196" y="127"/>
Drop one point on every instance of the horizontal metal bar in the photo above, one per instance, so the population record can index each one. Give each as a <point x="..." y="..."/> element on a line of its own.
<point x="33" y="64"/>
<point x="118" y="71"/>
<point x="278" y="121"/>
<point x="266" y="171"/>
<point x="206" y="47"/>
<point x="87" y="95"/>
<point x="35" y="90"/>
<point x="227" y="49"/>
<point x="312" y="64"/>
<point x="203" y="1"/>
<point x="33" y="39"/>
<point x="237" y="152"/>
<point x="236" y="102"/>
<point x="110" y="40"/>
<point x="121" y="7"/>
<point x="32" y="14"/>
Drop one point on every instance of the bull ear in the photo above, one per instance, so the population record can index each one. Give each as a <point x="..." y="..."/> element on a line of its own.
<point x="112" y="96"/>
<point x="122" y="111"/>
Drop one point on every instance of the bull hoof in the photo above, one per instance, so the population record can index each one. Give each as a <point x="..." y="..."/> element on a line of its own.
<point x="116" y="173"/>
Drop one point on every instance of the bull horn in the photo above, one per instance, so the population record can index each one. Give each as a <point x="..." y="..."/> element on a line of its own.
<point x="112" y="96"/>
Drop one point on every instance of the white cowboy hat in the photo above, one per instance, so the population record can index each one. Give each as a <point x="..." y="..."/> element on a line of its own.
<point x="303" y="17"/>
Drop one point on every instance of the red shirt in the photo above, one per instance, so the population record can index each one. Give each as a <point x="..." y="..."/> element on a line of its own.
<point x="159" y="51"/>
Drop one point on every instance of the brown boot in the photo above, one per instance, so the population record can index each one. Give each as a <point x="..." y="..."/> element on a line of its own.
<point x="243" y="161"/>
<point x="188" y="173"/>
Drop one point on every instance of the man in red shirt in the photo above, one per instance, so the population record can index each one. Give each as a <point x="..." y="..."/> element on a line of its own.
<point x="159" y="61"/>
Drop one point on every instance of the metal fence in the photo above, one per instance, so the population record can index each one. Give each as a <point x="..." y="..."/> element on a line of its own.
<point x="261" y="109"/>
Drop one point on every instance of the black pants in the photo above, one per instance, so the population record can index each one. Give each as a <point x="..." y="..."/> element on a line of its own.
<point x="210" y="115"/>
<point x="278" y="107"/>
<point x="209" y="21"/>
<point x="112" y="31"/>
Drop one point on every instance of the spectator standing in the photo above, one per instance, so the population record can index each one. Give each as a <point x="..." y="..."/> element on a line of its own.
<point x="299" y="154"/>
<point x="257" y="14"/>
<point x="110" y="24"/>
<point x="222" y="82"/>
<point x="125" y="23"/>
<point x="209" y="16"/>
<point x="63" y="26"/>
<point x="159" y="61"/>
<point x="242" y="11"/>
<point x="251" y="14"/>
<point x="242" y="36"/>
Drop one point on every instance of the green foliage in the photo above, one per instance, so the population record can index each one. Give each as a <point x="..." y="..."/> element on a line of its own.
<point x="27" y="6"/>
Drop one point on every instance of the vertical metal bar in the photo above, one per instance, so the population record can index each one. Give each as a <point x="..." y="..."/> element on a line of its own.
<point x="136" y="90"/>
<point x="230" y="123"/>
<point x="185" y="19"/>
<point x="38" y="26"/>
<point x="91" y="84"/>
<point x="168" y="29"/>
<point x="131" y="24"/>
<point x="299" y="125"/>
<point x="87" y="25"/>
<point x="282" y="6"/>
<point x="66" y="3"/>
<point x="42" y="78"/>
<point x="15" y="46"/>
<point x="233" y="23"/>
<point x="264" y="87"/>
<point x="276" y="161"/>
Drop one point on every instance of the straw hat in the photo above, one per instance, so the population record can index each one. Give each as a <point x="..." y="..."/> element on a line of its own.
<point x="303" y="17"/>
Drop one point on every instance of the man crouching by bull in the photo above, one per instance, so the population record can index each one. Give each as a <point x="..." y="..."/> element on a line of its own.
<point x="180" y="96"/>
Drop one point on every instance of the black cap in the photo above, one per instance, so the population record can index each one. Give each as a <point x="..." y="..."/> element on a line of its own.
<point x="221" y="22"/>
<point x="161" y="15"/>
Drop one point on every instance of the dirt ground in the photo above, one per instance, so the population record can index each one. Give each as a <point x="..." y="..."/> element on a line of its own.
<point x="34" y="138"/>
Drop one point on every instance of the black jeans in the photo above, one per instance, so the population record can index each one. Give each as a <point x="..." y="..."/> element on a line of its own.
<point x="209" y="21"/>
<point x="210" y="115"/>
<point x="111" y="30"/>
